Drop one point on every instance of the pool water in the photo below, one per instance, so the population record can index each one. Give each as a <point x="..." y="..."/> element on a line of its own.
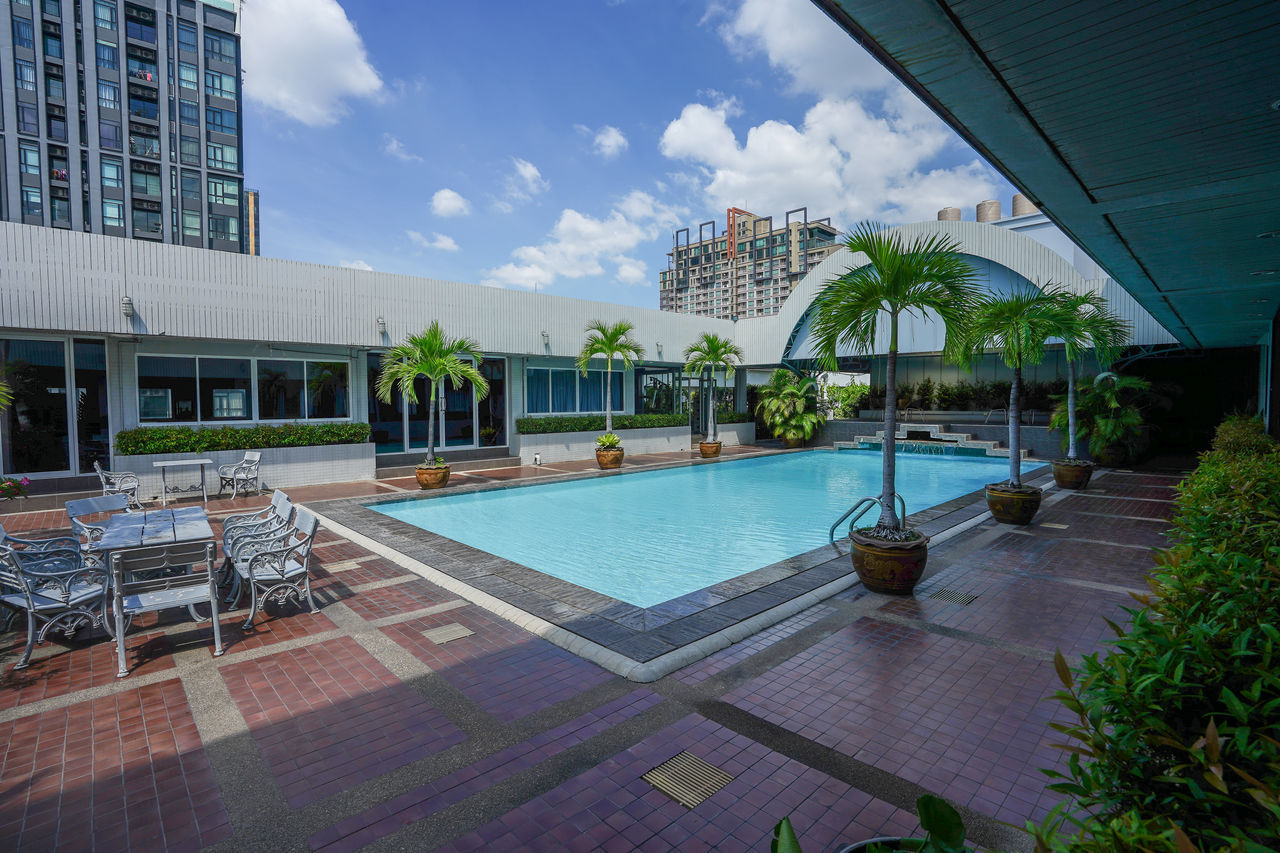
<point x="648" y="537"/>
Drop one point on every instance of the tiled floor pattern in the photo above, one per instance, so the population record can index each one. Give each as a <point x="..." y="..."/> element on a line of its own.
<point x="319" y="700"/>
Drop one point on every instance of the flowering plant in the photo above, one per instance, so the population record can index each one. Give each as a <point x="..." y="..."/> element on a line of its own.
<point x="10" y="488"/>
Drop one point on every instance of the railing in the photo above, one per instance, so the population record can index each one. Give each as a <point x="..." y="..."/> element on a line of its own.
<point x="862" y="507"/>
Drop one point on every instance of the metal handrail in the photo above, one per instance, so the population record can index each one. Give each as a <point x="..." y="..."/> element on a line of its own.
<point x="865" y="504"/>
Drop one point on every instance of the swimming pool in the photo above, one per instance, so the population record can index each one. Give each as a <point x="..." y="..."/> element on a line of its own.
<point x="648" y="537"/>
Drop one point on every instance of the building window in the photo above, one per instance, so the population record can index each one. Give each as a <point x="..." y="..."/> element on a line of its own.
<point x="219" y="47"/>
<point x="224" y="191"/>
<point x="140" y="31"/>
<point x="143" y="108"/>
<point x="223" y="121"/>
<point x="327" y="389"/>
<point x="52" y="7"/>
<point x="556" y="390"/>
<point x="23" y="35"/>
<point x="53" y="87"/>
<point x="190" y="186"/>
<point x="190" y="151"/>
<point x="28" y="119"/>
<point x="108" y="55"/>
<point x="166" y="388"/>
<point x="190" y="224"/>
<point x="188" y="76"/>
<point x="224" y="227"/>
<point x="223" y="156"/>
<point x="146" y="222"/>
<point x="144" y="183"/>
<point x="32" y="204"/>
<point x="225" y="384"/>
<point x="108" y="95"/>
<point x="220" y="85"/>
<point x="60" y="209"/>
<point x="142" y="69"/>
<point x="112" y="213"/>
<point x="53" y="47"/>
<point x="28" y="158"/>
<point x="104" y="14"/>
<point x="58" y="128"/>
<point x="144" y="146"/>
<point x="187" y="37"/>
<point x="24" y="75"/>
<point x="112" y="173"/>
<point x="189" y="112"/>
<point x="280" y="389"/>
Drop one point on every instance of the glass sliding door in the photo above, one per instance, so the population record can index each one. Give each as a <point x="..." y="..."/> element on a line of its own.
<point x="93" y="428"/>
<point x="385" y="419"/>
<point x="459" y="415"/>
<point x="493" y="408"/>
<point x="36" y="435"/>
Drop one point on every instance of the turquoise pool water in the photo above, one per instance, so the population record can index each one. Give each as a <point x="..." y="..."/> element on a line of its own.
<point x="648" y="537"/>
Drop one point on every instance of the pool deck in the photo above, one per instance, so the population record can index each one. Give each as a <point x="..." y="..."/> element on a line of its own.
<point x="367" y="726"/>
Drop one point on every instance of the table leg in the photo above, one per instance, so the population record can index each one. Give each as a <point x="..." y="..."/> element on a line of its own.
<point x="164" y="487"/>
<point x="204" y="495"/>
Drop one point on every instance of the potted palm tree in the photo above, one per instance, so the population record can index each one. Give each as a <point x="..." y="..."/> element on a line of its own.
<point x="610" y="342"/>
<point x="436" y="356"/>
<point x="1098" y="329"/>
<point x="788" y="405"/>
<point x="927" y="275"/>
<point x="1018" y="325"/>
<point x="1110" y="416"/>
<point x="711" y="352"/>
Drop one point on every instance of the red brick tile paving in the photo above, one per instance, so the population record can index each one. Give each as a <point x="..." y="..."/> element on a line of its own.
<point x="79" y="667"/>
<point x="506" y="670"/>
<point x="425" y="800"/>
<point x="367" y="571"/>
<point x="1149" y="533"/>
<point x="720" y="661"/>
<point x="1087" y="561"/>
<point x="397" y="598"/>
<point x="1116" y="506"/>
<point x="612" y="808"/>
<point x="121" y="772"/>
<point x="329" y="716"/>
<point x="965" y="721"/>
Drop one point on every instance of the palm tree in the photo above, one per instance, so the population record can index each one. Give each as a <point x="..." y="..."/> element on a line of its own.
<point x="789" y="405"/>
<point x="1018" y="325"/>
<point x="609" y="341"/>
<point x="926" y="276"/>
<point x="712" y="352"/>
<point x="6" y="396"/>
<point x="437" y="356"/>
<point x="1097" y="329"/>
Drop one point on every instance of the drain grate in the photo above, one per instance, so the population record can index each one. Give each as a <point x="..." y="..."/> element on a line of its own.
<point x="964" y="599"/>
<point x="446" y="633"/>
<point x="687" y="779"/>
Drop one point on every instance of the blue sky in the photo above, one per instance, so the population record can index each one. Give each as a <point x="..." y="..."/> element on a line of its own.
<point x="557" y="145"/>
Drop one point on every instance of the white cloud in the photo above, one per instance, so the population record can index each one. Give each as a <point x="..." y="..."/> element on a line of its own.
<point x="610" y="142"/>
<point x="396" y="149"/>
<point x="356" y="265"/>
<point x="448" y="203"/>
<point x="581" y="245"/>
<point x="437" y="240"/>
<point x="843" y="161"/>
<point x="523" y="183"/>
<point x="303" y="58"/>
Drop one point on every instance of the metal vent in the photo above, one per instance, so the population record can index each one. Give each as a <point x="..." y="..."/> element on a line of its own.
<point x="687" y="779"/>
<point x="446" y="633"/>
<point x="950" y="596"/>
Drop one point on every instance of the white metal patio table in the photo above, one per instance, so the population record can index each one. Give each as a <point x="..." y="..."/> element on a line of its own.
<point x="166" y="489"/>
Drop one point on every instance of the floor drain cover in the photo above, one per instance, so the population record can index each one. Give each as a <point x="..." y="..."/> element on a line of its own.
<point x="953" y="597"/>
<point x="445" y="633"/>
<point x="1052" y="525"/>
<point x="687" y="779"/>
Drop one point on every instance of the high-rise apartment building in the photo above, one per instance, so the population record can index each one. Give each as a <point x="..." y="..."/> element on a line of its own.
<point x="748" y="269"/>
<point x="123" y="118"/>
<point x="252" y="222"/>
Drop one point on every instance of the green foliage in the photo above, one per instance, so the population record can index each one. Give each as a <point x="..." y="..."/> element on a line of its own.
<point x="437" y="462"/>
<point x="593" y="423"/>
<point x="942" y="824"/>
<point x="608" y="441"/>
<point x="1109" y="413"/>
<point x="789" y="406"/>
<point x="784" y="838"/>
<point x="925" y="392"/>
<point x="1178" y="725"/>
<point x="845" y="401"/>
<point x="609" y="341"/>
<point x="1243" y="434"/>
<point x="163" y="439"/>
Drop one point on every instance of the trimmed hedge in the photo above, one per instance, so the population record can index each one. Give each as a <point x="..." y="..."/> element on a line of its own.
<point x="162" y="439"/>
<point x="1178" y="725"/>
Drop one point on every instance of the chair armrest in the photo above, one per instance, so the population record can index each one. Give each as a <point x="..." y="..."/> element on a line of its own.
<point x="244" y="548"/>
<point x="244" y="518"/>
<point x="53" y="543"/>
<point x="245" y="470"/>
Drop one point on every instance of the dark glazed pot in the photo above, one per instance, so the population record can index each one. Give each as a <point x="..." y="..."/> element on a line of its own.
<point x="1011" y="505"/>
<point x="893" y="568"/>
<point x="609" y="457"/>
<point x="1115" y="456"/>
<point x="432" y="478"/>
<point x="709" y="449"/>
<point x="793" y="442"/>
<point x="1072" y="473"/>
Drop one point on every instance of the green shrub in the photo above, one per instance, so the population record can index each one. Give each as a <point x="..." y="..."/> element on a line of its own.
<point x="953" y="396"/>
<point x="924" y="394"/>
<point x="595" y="423"/>
<point x="1178" y="725"/>
<point x="162" y="439"/>
<point x="1243" y="434"/>
<point x="845" y="400"/>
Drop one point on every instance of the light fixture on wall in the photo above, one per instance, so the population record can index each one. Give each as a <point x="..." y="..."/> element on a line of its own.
<point x="126" y="306"/>
<point x="382" y="326"/>
<point x="546" y="339"/>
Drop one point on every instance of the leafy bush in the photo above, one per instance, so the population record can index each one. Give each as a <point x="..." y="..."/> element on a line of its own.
<point x="844" y="401"/>
<point x="924" y="397"/>
<point x="1179" y="724"/>
<point x="595" y="423"/>
<point x="1242" y="434"/>
<point x="162" y="439"/>
<point x="953" y="396"/>
<point x="608" y="441"/>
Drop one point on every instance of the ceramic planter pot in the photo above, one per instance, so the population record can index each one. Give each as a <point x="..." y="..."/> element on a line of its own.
<point x="432" y="478"/>
<point x="1072" y="473"/>
<point x="1011" y="505"/>
<point x="709" y="449"/>
<point x="793" y="442"/>
<point x="1115" y="456"/>
<point x="893" y="568"/>
<point x="609" y="457"/>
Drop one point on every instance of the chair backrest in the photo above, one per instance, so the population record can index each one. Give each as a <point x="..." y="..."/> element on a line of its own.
<point x="303" y="532"/>
<point x="159" y="558"/>
<point x="4" y="534"/>
<point x="11" y="571"/>
<point x="252" y="457"/>
<point x="279" y="499"/>
<point x="92" y="506"/>
<point x="102" y="475"/>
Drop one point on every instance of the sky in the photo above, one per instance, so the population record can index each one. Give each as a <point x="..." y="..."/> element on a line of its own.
<point x="557" y="146"/>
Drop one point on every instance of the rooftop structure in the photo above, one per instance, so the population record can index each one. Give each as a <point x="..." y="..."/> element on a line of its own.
<point x="123" y="119"/>
<point x="748" y="269"/>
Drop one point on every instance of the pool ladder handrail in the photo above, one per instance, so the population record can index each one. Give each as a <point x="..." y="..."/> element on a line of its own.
<point x="862" y="507"/>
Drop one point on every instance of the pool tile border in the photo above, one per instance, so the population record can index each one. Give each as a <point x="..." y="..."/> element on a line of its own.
<point x="641" y="644"/>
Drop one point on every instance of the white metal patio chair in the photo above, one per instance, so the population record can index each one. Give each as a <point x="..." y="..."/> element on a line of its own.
<point x="56" y="590"/>
<point x="282" y="569"/>
<point x="89" y="533"/>
<point x="241" y="476"/>
<point x="246" y="520"/>
<point x="147" y="579"/>
<point x="118" y="483"/>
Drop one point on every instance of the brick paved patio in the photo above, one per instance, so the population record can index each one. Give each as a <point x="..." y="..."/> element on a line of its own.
<point x="354" y="728"/>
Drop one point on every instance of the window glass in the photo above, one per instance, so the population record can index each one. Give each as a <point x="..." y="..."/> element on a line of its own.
<point x="35" y="429"/>
<point x="218" y="46"/>
<point x="224" y="227"/>
<point x="53" y="87"/>
<point x="112" y="173"/>
<point x="60" y="209"/>
<point x="223" y="156"/>
<point x="32" y="203"/>
<point x="188" y="76"/>
<point x="218" y="84"/>
<point x="591" y="391"/>
<point x="223" y="121"/>
<point x="280" y="389"/>
<point x="143" y="108"/>
<point x="537" y="391"/>
<point x="616" y="390"/>
<point x="113" y="213"/>
<point x="191" y="185"/>
<point x="144" y="146"/>
<point x="190" y="148"/>
<point x="166" y="388"/>
<point x="146" y="222"/>
<point x="23" y="35"/>
<point x="108" y="55"/>
<point x="224" y="389"/>
<point x="28" y="158"/>
<point x="28" y="118"/>
<point x="563" y="391"/>
<point x="144" y="183"/>
<point x="53" y="47"/>
<point x="186" y="37"/>
<point x="190" y="223"/>
<point x="327" y="389"/>
<point x="108" y="95"/>
<point x="92" y="424"/>
<point x="493" y="408"/>
<point x="140" y="31"/>
<point x="189" y="112"/>
<point x="142" y="69"/>
<point x="58" y="128"/>
<point x="224" y="191"/>
<point x="52" y="7"/>
<point x="24" y="75"/>
<point x="104" y="14"/>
